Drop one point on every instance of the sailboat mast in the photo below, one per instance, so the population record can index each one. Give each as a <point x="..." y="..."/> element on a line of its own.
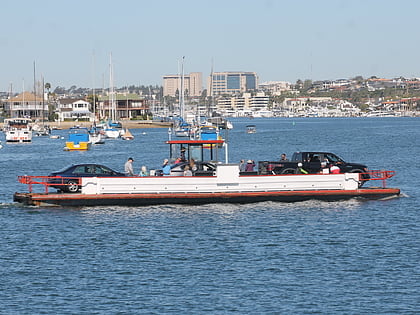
<point x="182" y="89"/>
<point x="36" y="112"/>
<point x="111" y="89"/>
<point x="23" y="98"/>
<point x="10" y="99"/>
<point x="43" y="103"/>
<point x="210" y="103"/>
<point x="93" y="88"/>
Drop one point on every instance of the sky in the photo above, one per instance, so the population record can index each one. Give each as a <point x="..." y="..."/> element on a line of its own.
<point x="72" y="43"/>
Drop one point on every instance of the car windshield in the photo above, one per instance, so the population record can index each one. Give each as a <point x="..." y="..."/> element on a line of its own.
<point x="64" y="169"/>
<point x="332" y="158"/>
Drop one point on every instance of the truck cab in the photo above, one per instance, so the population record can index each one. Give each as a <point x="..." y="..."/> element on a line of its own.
<point x="311" y="162"/>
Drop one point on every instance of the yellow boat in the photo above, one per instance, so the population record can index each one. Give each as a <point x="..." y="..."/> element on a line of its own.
<point x="78" y="139"/>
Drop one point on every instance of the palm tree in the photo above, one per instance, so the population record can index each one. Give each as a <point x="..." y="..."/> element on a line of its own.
<point x="50" y="110"/>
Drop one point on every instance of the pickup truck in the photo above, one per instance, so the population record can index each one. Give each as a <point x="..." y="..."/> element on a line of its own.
<point x="311" y="162"/>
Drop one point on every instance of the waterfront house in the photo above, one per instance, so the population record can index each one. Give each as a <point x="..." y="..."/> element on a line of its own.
<point x="71" y="109"/>
<point x="26" y="104"/>
<point x="127" y="106"/>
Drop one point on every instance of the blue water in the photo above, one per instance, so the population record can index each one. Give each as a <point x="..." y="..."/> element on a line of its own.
<point x="350" y="257"/>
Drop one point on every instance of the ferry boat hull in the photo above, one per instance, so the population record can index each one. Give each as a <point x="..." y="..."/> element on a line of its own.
<point x="78" y="200"/>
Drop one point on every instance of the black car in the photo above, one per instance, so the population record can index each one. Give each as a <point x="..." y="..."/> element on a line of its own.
<point x="69" y="178"/>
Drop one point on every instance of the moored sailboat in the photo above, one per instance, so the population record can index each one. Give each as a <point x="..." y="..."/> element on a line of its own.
<point x="96" y="135"/>
<point x="127" y="135"/>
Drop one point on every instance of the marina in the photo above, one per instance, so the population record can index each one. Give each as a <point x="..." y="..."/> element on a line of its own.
<point x="151" y="251"/>
<point x="154" y="159"/>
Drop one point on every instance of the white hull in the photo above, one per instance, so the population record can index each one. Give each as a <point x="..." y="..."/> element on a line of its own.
<point x="226" y="179"/>
<point x="112" y="133"/>
<point x="18" y="129"/>
<point x="96" y="138"/>
<point x="18" y="135"/>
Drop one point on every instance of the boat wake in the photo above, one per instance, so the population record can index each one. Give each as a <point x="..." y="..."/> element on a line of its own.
<point x="401" y="195"/>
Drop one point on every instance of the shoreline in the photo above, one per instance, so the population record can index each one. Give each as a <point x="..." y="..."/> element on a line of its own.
<point x="130" y="124"/>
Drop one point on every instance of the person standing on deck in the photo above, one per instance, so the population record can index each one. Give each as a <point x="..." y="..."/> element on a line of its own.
<point x="242" y="166"/>
<point x="283" y="158"/>
<point x="128" y="167"/>
<point x="166" y="168"/>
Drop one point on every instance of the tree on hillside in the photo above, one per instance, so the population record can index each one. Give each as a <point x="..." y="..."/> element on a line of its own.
<point x="307" y="84"/>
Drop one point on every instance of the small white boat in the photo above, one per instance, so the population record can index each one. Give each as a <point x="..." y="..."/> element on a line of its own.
<point x="112" y="129"/>
<point x="251" y="129"/>
<point x="96" y="138"/>
<point x="41" y="130"/>
<point x="112" y="133"/>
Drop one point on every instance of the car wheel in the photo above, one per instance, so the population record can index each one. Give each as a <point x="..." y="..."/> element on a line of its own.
<point x="72" y="186"/>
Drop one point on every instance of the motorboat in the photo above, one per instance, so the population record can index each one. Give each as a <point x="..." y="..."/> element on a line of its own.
<point x="251" y="129"/>
<point x="78" y="139"/>
<point x="18" y="129"/>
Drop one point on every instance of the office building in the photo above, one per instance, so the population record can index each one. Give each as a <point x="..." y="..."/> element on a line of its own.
<point x="192" y="84"/>
<point x="221" y="83"/>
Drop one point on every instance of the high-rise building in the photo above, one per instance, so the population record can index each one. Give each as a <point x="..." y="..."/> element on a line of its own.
<point x="192" y="84"/>
<point x="231" y="82"/>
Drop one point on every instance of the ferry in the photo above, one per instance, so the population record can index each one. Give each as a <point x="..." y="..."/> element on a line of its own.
<point x="223" y="184"/>
<point x="18" y="129"/>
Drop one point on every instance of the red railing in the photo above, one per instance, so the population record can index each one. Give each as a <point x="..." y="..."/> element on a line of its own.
<point x="46" y="181"/>
<point x="376" y="175"/>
